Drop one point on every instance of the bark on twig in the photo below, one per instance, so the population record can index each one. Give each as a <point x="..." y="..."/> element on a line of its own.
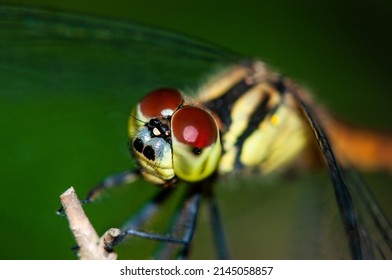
<point x="91" y="246"/>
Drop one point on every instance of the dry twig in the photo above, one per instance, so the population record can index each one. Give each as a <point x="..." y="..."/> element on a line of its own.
<point x="91" y="247"/>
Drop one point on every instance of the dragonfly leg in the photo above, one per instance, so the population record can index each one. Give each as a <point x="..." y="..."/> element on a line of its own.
<point x="183" y="224"/>
<point x="220" y="239"/>
<point x="143" y="215"/>
<point x="118" y="179"/>
<point x="189" y="216"/>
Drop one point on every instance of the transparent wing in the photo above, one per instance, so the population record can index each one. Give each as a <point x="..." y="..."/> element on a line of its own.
<point x="365" y="242"/>
<point x="374" y="227"/>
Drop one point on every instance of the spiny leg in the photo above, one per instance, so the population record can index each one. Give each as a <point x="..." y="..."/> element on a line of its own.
<point x="142" y="216"/>
<point x="183" y="224"/>
<point x="114" y="180"/>
<point x="186" y="218"/>
<point x="184" y="221"/>
<point x="189" y="216"/>
<point x="220" y="239"/>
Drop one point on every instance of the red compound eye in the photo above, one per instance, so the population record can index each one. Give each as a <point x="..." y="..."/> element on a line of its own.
<point x="194" y="126"/>
<point x="160" y="102"/>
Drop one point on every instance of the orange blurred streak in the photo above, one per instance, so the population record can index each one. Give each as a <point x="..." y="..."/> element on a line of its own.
<point x="364" y="148"/>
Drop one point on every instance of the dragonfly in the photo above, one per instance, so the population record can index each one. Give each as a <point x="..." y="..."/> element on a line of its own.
<point x="242" y="119"/>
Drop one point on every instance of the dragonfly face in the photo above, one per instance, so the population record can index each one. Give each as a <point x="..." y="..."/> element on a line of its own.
<point x="172" y="139"/>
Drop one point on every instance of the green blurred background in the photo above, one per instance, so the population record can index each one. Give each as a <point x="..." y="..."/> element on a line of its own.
<point x="337" y="49"/>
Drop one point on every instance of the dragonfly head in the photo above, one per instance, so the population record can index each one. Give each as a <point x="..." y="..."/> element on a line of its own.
<point x="171" y="139"/>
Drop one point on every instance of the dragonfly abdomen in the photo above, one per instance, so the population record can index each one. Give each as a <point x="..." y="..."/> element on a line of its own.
<point x="360" y="147"/>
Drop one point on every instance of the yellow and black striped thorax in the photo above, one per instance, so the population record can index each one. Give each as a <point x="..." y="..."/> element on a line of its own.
<point x="243" y="118"/>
